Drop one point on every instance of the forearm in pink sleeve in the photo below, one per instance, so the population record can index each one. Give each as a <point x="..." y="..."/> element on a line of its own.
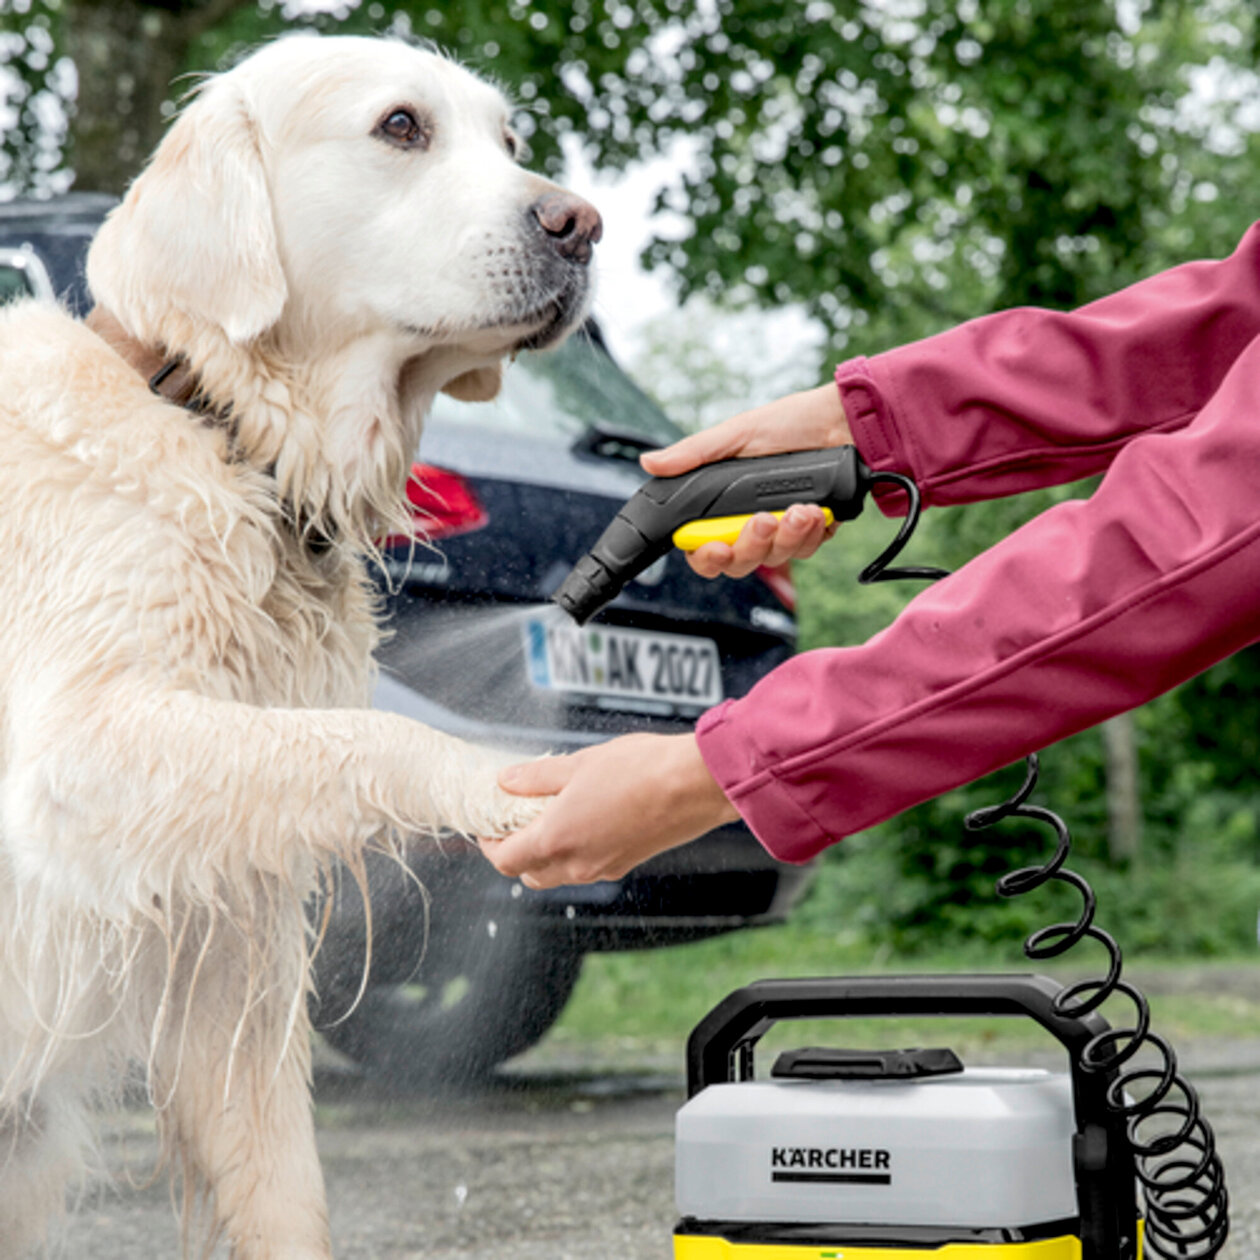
<point x="1090" y="609"/>
<point x="1026" y="398"/>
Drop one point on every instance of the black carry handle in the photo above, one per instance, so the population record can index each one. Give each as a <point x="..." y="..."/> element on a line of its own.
<point x="721" y="1048"/>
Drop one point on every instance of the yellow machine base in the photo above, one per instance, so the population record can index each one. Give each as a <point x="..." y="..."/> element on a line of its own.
<point x="708" y="1247"/>
<point x="697" y="1247"/>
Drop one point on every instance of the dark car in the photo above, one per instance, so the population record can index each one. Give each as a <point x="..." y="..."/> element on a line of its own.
<point x="468" y="968"/>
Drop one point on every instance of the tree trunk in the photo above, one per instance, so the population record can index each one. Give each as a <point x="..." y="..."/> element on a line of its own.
<point x="1124" y="803"/>
<point x="127" y="53"/>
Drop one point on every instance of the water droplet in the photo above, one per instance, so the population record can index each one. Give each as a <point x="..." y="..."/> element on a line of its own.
<point x="461" y="1195"/>
<point x="492" y="929"/>
<point x="518" y="890"/>
<point x="570" y="912"/>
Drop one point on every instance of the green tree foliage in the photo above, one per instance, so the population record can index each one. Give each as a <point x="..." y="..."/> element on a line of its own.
<point x="36" y="88"/>
<point x="898" y="168"/>
<point x="115" y="71"/>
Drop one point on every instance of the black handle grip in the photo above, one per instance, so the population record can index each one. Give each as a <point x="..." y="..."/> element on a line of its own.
<point x="641" y="532"/>
<point x="833" y="477"/>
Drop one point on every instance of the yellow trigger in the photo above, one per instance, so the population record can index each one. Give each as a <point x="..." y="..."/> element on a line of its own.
<point x="721" y="529"/>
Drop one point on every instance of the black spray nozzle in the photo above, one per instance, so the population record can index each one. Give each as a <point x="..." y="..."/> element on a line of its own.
<point x="643" y="530"/>
<point x="589" y="587"/>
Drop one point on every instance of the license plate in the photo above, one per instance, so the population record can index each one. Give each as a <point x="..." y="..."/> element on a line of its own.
<point x="623" y="668"/>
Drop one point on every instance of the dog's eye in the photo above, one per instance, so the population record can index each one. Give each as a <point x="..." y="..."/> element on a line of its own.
<point x="401" y="127"/>
<point x="518" y="150"/>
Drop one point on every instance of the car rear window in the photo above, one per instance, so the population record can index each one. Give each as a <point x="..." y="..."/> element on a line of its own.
<point x="13" y="283"/>
<point x="565" y="393"/>
<point x="54" y="250"/>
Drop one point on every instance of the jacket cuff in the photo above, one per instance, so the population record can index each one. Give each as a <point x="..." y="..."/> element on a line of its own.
<point x="786" y="831"/>
<point x="874" y="428"/>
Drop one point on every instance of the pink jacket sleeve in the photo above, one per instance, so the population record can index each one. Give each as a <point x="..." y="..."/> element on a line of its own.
<point x="1029" y="397"/>
<point x="1090" y="609"/>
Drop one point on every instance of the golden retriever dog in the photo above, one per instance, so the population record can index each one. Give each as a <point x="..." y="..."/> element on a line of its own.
<point x="332" y="232"/>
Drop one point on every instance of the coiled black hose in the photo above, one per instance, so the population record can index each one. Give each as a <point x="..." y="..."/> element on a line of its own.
<point x="1178" y="1167"/>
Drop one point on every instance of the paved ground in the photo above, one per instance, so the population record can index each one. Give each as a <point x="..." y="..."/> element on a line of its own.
<point x="554" y="1162"/>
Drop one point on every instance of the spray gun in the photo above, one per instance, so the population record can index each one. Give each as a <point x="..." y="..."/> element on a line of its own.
<point x="710" y="504"/>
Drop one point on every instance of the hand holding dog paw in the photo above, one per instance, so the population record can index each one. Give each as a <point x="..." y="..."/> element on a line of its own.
<point x="610" y="807"/>
<point x="514" y="812"/>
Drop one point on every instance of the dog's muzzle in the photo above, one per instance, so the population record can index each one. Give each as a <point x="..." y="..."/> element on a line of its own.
<point x="565" y="230"/>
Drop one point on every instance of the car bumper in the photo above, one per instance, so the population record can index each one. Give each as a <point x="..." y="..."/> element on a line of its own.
<point x="720" y="882"/>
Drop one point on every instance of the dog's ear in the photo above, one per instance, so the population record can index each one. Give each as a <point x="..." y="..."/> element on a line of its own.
<point x="480" y="385"/>
<point x="195" y="237"/>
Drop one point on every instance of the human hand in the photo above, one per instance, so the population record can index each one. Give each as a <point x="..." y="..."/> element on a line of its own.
<point x="808" y="420"/>
<point x="612" y="806"/>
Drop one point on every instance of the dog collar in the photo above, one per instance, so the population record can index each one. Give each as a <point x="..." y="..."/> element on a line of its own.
<point x="169" y="378"/>
<point x="175" y="382"/>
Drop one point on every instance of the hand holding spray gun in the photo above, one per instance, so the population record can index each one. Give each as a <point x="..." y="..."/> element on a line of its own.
<point x="810" y="420"/>
<point x="617" y="804"/>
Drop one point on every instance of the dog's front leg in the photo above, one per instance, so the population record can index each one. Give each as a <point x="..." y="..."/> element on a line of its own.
<point x="230" y="1076"/>
<point x="135" y="791"/>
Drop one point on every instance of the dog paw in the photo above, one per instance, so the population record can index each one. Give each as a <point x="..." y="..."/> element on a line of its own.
<point x="478" y="807"/>
<point x="511" y="813"/>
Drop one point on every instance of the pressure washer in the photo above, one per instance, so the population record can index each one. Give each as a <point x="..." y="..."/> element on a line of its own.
<point x="847" y="1155"/>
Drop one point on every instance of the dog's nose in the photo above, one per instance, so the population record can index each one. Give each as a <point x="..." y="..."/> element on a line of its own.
<point x="573" y="225"/>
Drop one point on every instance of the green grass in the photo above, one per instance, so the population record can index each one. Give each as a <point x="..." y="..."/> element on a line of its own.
<point x="647" y="1003"/>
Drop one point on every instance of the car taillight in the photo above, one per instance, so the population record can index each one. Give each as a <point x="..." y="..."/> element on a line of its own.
<point x="442" y="504"/>
<point x="779" y="579"/>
